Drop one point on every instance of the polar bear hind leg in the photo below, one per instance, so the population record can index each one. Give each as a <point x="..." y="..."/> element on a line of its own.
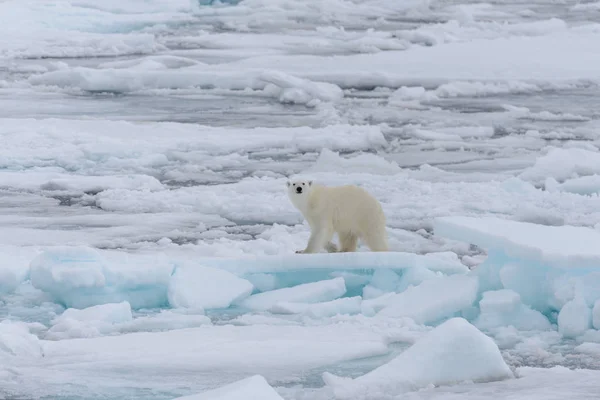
<point x="331" y="247"/>
<point x="376" y="240"/>
<point x="348" y="242"/>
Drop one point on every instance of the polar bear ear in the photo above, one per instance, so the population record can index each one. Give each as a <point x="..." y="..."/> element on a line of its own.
<point x="289" y="183"/>
<point x="309" y="183"/>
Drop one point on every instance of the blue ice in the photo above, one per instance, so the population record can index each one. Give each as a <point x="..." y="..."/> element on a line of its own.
<point x="535" y="278"/>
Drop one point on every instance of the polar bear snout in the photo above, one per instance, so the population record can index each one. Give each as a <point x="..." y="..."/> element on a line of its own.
<point x="299" y="189"/>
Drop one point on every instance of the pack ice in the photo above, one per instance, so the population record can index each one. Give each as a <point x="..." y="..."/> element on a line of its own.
<point x="533" y="273"/>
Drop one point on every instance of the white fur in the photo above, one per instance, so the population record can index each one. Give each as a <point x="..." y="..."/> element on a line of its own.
<point x="349" y="211"/>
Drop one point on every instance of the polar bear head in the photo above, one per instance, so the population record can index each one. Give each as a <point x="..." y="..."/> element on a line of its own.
<point x="298" y="192"/>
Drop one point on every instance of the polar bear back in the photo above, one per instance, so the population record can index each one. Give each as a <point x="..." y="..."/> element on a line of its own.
<point x="347" y="208"/>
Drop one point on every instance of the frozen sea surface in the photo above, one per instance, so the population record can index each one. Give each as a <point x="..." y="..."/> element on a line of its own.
<point x="147" y="242"/>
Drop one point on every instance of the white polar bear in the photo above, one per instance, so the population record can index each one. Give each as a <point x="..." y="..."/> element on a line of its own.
<point x="349" y="211"/>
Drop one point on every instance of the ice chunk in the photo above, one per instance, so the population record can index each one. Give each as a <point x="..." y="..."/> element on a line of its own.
<point x="574" y="318"/>
<point x="561" y="246"/>
<point x="500" y="301"/>
<point x="585" y="185"/>
<point x="448" y="263"/>
<point x="347" y="305"/>
<point x="504" y="308"/>
<point x="562" y="164"/>
<point x="108" y="319"/>
<point x="385" y="279"/>
<point x="112" y="313"/>
<point x="227" y="350"/>
<point x="432" y="300"/>
<point x="561" y="260"/>
<point x="589" y="348"/>
<point x="290" y="89"/>
<point x="453" y="352"/>
<point x="81" y="277"/>
<point x="14" y="267"/>
<point x="330" y="161"/>
<point x="17" y="342"/>
<point x="98" y="183"/>
<point x="163" y="321"/>
<point x="382" y="281"/>
<point x="415" y="276"/>
<point x="596" y="315"/>
<point x="89" y="322"/>
<point x="306" y="293"/>
<point x="206" y="288"/>
<point x="253" y="388"/>
<point x="262" y="282"/>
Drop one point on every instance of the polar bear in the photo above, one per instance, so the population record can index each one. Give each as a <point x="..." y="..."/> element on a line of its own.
<point x="349" y="211"/>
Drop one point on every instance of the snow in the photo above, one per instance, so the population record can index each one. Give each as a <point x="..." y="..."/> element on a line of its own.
<point x="201" y="287"/>
<point x="252" y="388"/>
<point x="455" y="351"/>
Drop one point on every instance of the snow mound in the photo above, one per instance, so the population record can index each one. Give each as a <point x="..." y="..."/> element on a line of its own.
<point x="308" y="293"/>
<point x="201" y="287"/>
<point x="431" y="301"/>
<point x="453" y="352"/>
<point x="550" y="269"/>
<point x="562" y="164"/>
<point x="252" y="388"/>
<point x="81" y="277"/>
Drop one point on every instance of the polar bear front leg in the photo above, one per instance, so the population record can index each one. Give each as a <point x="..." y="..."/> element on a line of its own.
<point x="319" y="238"/>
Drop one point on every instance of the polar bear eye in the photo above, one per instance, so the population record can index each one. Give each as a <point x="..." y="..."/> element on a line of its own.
<point x="303" y="183"/>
